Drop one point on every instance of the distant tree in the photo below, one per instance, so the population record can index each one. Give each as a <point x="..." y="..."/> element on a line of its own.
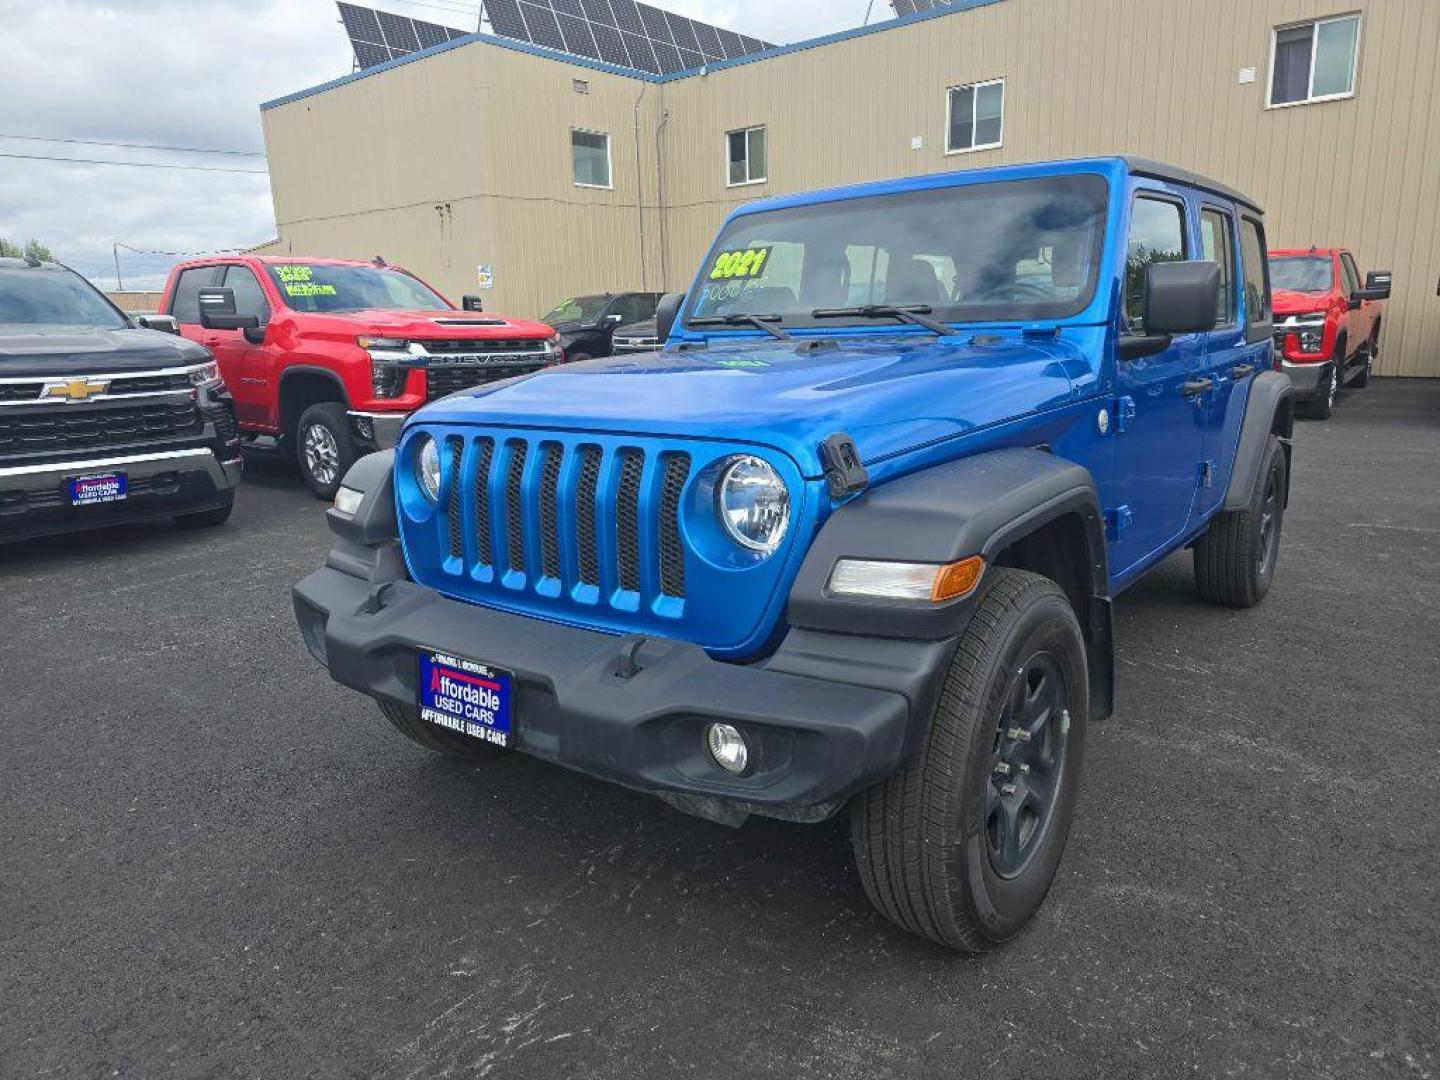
<point x="34" y="247"/>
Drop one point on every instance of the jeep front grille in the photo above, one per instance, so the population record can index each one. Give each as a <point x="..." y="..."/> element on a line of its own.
<point x="549" y="498"/>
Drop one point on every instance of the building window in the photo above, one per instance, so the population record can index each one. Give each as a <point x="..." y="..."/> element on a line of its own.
<point x="976" y="117"/>
<point x="590" y="158"/>
<point x="1314" y="61"/>
<point x="746" y="153"/>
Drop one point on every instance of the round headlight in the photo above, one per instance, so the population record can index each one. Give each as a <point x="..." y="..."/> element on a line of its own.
<point x="427" y="467"/>
<point x="753" y="504"/>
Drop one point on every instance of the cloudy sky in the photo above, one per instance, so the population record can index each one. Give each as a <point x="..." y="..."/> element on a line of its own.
<point x="190" y="74"/>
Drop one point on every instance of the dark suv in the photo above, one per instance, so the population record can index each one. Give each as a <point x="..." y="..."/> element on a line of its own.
<point x="101" y="420"/>
<point x="586" y="324"/>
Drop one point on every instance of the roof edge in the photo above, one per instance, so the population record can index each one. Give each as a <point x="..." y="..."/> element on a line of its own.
<point x="952" y="8"/>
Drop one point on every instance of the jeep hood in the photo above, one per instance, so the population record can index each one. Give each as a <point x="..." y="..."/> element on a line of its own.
<point x="889" y="393"/>
<point x="93" y="352"/>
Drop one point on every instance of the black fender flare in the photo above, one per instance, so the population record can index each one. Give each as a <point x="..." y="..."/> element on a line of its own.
<point x="979" y="505"/>
<point x="289" y="375"/>
<point x="976" y="505"/>
<point x="1269" y="409"/>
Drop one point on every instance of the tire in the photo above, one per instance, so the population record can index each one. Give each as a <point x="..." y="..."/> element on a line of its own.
<point x="407" y="721"/>
<point x="1320" y="408"/>
<point x="206" y="519"/>
<point x="1372" y="350"/>
<point x="324" y="448"/>
<point x="1235" y="558"/>
<point x="925" y="840"/>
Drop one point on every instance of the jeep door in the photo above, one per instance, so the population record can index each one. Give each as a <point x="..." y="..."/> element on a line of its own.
<point x="1160" y="412"/>
<point x="1230" y="360"/>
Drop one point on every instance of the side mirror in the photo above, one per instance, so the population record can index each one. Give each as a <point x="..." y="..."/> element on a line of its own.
<point x="166" y="324"/>
<point x="1181" y="297"/>
<point x="472" y="302"/>
<point x="1377" y="285"/>
<point x="666" y="312"/>
<point x="614" y="320"/>
<point x="217" y="311"/>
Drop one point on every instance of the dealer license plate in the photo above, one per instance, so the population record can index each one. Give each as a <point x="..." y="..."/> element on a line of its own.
<point x="467" y="697"/>
<point x="97" y="488"/>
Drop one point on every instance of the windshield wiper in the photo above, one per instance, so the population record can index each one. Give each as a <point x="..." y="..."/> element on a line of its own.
<point x="744" y="319"/>
<point x="910" y="313"/>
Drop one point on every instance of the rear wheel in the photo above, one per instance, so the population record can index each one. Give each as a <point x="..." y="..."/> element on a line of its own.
<point x="407" y="721"/>
<point x="1372" y="350"/>
<point x="962" y="845"/>
<point x="324" y="448"/>
<point x="1235" y="558"/>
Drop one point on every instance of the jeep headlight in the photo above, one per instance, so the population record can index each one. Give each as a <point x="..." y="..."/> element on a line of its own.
<point x="427" y="467"/>
<point x="753" y="504"/>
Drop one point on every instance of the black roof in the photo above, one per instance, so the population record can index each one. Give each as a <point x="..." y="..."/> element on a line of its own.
<point x="7" y="261"/>
<point x="1161" y="171"/>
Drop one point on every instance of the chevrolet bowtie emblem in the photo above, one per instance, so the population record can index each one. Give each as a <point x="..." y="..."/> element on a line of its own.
<point x="75" y="389"/>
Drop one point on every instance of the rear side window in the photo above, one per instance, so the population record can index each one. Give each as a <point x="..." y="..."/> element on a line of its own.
<point x="1217" y="244"/>
<point x="1257" y="281"/>
<point x="1157" y="234"/>
<point x="249" y="298"/>
<point x="186" y="304"/>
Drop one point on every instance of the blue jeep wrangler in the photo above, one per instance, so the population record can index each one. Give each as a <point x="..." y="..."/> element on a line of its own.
<point x="852" y="537"/>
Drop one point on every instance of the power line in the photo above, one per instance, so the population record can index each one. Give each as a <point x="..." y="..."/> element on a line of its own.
<point x="136" y="145"/>
<point x="181" y="254"/>
<point x="134" y="164"/>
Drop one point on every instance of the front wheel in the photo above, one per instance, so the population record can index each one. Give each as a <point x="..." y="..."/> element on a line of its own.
<point x="962" y="845"/>
<point x="324" y="447"/>
<point x="1320" y="407"/>
<point x="407" y="721"/>
<point x="1235" y="558"/>
<point x="205" y="519"/>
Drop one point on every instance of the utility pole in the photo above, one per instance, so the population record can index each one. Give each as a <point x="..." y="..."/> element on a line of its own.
<point x="115" y="250"/>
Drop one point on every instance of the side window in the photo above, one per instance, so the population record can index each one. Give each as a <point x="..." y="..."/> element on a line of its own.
<point x="1157" y="234"/>
<point x="249" y="298"/>
<point x="636" y="308"/>
<point x="1257" y="278"/>
<point x="1349" y="272"/>
<point x="186" y="304"/>
<point x="1217" y="244"/>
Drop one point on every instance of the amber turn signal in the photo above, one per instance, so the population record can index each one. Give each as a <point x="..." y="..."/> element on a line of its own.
<point x="957" y="578"/>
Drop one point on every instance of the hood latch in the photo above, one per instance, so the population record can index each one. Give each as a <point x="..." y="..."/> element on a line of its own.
<point x="844" y="474"/>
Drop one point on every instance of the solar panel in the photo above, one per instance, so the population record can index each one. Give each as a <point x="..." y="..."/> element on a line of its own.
<point x="381" y="36"/>
<point x="620" y="32"/>
<point x="910" y="7"/>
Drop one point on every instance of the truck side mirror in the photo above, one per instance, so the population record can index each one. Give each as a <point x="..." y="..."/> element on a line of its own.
<point x="217" y="311"/>
<point x="471" y="302"/>
<point x="166" y="324"/>
<point x="1377" y="286"/>
<point x="1181" y="297"/>
<point x="666" y="313"/>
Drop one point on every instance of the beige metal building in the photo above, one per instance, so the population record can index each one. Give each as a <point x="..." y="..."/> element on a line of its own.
<point x="561" y="176"/>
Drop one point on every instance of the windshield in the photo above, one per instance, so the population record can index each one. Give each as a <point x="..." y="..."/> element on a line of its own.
<point x="1301" y="273"/>
<point x="1013" y="249"/>
<point x="47" y="299"/>
<point x="582" y="309"/>
<point x="322" y="288"/>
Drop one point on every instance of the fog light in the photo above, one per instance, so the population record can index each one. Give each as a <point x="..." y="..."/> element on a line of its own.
<point x="727" y="747"/>
<point x="347" y="500"/>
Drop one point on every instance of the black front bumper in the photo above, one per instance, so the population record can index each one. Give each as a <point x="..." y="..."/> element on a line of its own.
<point x="815" y="738"/>
<point x="162" y="483"/>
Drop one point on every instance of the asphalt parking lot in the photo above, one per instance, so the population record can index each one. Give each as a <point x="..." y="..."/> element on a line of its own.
<point x="215" y="863"/>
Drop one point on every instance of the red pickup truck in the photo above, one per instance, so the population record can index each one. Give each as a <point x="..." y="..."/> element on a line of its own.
<point x="1327" y="325"/>
<point x="325" y="357"/>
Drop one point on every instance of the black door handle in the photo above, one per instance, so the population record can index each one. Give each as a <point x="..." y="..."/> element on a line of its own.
<point x="1241" y="371"/>
<point x="1196" y="386"/>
